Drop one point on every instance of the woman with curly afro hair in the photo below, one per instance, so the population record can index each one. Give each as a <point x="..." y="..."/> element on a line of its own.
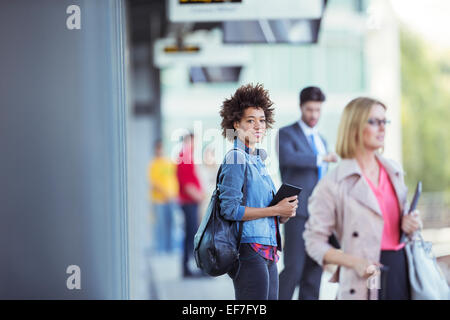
<point x="246" y="116"/>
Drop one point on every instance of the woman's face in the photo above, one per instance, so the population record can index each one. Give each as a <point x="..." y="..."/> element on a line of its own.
<point x="252" y="126"/>
<point x="374" y="129"/>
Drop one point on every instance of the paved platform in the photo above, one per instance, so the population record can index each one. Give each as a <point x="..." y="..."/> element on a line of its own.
<point x="170" y="285"/>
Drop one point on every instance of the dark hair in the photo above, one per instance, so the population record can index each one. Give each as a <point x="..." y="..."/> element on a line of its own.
<point x="246" y="96"/>
<point x="311" y="94"/>
<point x="190" y="134"/>
<point x="158" y="143"/>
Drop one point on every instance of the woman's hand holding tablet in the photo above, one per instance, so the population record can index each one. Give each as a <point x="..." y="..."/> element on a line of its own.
<point x="286" y="201"/>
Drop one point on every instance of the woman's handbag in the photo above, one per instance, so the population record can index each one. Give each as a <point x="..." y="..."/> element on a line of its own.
<point x="426" y="278"/>
<point x="217" y="241"/>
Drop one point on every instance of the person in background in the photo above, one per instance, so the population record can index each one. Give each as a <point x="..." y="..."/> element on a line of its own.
<point x="190" y="196"/>
<point x="245" y="118"/>
<point x="362" y="201"/>
<point x="303" y="160"/>
<point x="163" y="193"/>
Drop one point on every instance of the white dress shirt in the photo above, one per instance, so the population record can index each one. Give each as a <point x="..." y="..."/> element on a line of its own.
<point x="307" y="130"/>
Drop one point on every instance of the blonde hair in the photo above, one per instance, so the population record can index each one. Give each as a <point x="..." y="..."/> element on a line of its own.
<point x="353" y="120"/>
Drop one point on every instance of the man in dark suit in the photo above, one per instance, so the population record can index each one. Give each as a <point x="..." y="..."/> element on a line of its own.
<point x="303" y="160"/>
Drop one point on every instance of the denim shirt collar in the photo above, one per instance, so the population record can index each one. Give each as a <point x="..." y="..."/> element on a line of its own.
<point x="241" y="145"/>
<point x="258" y="152"/>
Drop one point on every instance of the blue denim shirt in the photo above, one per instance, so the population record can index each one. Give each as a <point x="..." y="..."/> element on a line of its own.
<point x="260" y="192"/>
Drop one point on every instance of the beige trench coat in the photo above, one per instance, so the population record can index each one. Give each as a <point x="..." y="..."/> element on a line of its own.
<point x="343" y="203"/>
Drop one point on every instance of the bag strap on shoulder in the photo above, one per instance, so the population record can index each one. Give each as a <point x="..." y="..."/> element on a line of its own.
<point x="244" y="198"/>
<point x="244" y="202"/>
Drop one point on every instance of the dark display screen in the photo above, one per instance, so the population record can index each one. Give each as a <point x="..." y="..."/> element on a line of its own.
<point x="213" y="74"/>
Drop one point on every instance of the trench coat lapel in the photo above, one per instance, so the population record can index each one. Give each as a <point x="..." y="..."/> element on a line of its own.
<point x="361" y="190"/>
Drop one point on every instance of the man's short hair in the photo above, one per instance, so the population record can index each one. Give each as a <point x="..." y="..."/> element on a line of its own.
<point x="311" y="94"/>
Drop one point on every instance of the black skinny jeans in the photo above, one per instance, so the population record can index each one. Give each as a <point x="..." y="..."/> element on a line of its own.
<point x="256" y="278"/>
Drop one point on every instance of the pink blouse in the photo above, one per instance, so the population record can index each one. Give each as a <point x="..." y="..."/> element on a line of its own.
<point x="388" y="202"/>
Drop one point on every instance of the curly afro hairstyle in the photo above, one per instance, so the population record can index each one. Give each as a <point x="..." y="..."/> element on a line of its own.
<point x="246" y="96"/>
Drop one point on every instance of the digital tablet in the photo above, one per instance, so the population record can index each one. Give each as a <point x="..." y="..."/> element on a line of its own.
<point x="413" y="206"/>
<point x="416" y="197"/>
<point x="286" y="190"/>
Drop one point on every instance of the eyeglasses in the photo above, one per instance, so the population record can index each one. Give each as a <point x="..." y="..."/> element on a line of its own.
<point x="378" y="122"/>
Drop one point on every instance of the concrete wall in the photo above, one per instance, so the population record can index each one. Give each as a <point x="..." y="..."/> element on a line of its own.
<point x="63" y="150"/>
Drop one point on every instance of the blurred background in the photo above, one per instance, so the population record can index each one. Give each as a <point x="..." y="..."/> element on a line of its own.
<point x="81" y="111"/>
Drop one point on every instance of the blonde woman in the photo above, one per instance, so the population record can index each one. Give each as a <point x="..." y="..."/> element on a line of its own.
<point x="363" y="202"/>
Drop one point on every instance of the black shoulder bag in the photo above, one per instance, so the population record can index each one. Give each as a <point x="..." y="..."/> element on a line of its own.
<point x="216" y="243"/>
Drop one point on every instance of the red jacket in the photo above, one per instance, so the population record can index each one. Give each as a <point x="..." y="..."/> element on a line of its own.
<point x="186" y="174"/>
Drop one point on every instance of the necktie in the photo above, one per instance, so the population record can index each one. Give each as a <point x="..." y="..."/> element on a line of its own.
<point x="313" y="146"/>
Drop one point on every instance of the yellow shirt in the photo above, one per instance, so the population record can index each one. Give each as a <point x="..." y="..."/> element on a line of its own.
<point x="162" y="173"/>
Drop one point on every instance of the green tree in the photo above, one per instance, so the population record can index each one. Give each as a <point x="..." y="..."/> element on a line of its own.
<point x="425" y="114"/>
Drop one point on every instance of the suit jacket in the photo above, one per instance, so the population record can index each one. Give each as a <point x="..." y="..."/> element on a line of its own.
<point x="344" y="204"/>
<point x="298" y="163"/>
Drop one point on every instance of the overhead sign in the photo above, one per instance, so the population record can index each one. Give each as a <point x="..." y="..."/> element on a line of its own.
<point x="212" y="74"/>
<point x="271" y="31"/>
<point x="199" y="50"/>
<point x="212" y="11"/>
